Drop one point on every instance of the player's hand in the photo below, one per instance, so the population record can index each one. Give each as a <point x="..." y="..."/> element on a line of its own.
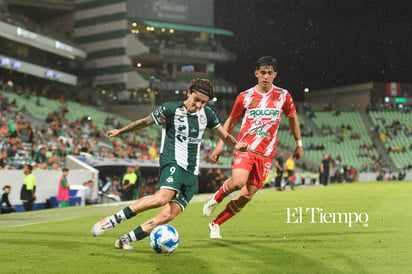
<point x="214" y="156"/>
<point x="243" y="147"/>
<point x="298" y="153"/>
<point x="113" y="133"/>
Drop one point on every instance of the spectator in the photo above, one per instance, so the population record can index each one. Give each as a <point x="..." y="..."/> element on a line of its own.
<point x="314" y="177"/>
<point x="324" y="170"/>
<point x="89" y="193"/>
<point x="290" y="168"/>
<point x="128" y="184"/>
<point x="13" y="131"/>
<point x="139" y="182"/>
<point x="64" y="189"/>
<point x="292" y="181"/>
<point x="303" y="176"/>
<point x="41" y="157"/>
<point x="115" y="190"/>
<point x="4" y="199"/>
<point x="28" y="189"/>
<point x="279" y="171"/>
<point x="352" y="174"/>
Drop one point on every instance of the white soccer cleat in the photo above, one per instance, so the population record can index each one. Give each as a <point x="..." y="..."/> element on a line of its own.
<point x="102" y="226"/>
<point x="123" y="243"/>
<point x="210" y="206"/>
<point x="214" y="231"/>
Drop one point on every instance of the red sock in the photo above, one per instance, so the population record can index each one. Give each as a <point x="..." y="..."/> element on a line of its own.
<point x="231" y="210"/>
<point x="222" y="192"/>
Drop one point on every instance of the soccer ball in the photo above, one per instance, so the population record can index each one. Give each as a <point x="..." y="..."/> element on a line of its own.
<point x="164" y="239"/>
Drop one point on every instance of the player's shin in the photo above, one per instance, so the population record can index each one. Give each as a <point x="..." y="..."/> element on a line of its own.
<point x="231" y="210"/>
<point x="223" y="191"/>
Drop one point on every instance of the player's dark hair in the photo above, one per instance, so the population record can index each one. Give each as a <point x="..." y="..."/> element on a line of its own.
<point x="203" y="86"/>
<point x="65" y="169"/>
<point x="266" y="61"/>
<point x="30" y="167"/>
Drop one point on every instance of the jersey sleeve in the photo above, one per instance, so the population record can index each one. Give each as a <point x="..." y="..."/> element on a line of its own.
<point x="238" y="108"/>
<point x="212" y="119"/>
<point x="159" y="115"/>
<point x="289" y="107"/>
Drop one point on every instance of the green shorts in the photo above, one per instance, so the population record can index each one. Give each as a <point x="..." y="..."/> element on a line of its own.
<point x="176" y="178"/>
<point x="64" y="203"/>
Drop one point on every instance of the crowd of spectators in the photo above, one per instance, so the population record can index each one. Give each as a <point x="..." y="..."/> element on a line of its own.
<point x="46" y="145"/>
<point x="211" y="180"/>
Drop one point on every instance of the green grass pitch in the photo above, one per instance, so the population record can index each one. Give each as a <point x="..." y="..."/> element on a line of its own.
<point x="258" y="240"/>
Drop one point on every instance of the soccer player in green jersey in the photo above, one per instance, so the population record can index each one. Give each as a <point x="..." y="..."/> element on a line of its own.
<point x="183" y="125"/>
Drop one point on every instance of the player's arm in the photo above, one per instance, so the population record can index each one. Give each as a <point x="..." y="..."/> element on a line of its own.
<point x="229" y="140"/>
<point x="136" y="125"/>
<point x="295" y="128"/>
<point x="228" y="127"/>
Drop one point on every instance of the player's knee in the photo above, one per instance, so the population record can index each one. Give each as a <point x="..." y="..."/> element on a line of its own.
<point x="245" y="198"/>
<point x="236" y="185"/>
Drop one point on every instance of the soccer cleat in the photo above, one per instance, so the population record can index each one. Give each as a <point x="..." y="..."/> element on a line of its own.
<point x="214" y="231"/>
<point x="210" y="206"/>
<point x="102" y="226"/>
<point x="123" y="243"/>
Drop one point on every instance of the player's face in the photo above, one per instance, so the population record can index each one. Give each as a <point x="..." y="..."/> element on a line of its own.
<point x="265" y="76"/>
<point x="195" y="101"/>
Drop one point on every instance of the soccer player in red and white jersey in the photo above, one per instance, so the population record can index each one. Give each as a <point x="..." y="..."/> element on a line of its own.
<point x="261" y="107"/>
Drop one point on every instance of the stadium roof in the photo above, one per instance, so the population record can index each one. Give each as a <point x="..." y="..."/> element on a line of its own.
<point x="187" y="27"/>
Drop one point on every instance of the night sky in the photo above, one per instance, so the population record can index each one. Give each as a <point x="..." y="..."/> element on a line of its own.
<point x="318" y="43"/>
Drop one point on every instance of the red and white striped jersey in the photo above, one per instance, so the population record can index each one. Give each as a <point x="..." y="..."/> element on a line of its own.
<point x="261" y="117"/>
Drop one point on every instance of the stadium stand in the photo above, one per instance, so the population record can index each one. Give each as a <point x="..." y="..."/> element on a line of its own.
<point x="394" y="129"/>
<point x="343" y="136"/>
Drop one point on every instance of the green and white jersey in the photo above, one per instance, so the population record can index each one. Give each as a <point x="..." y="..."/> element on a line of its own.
<point x="182" y="134"/>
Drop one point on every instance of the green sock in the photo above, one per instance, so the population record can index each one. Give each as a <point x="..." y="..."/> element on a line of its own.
<point x="137" y="234"/>
<point x="124" y="214"/>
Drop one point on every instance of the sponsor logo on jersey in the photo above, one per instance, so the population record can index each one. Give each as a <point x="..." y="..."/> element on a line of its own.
<point x="260" y="132"/>
<point x="193" y="140"/>
<point x="264" y="113"/>
<point x="190" y="140"/>
<point x="169" y="179"/>
<point x="181" y="138"/>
